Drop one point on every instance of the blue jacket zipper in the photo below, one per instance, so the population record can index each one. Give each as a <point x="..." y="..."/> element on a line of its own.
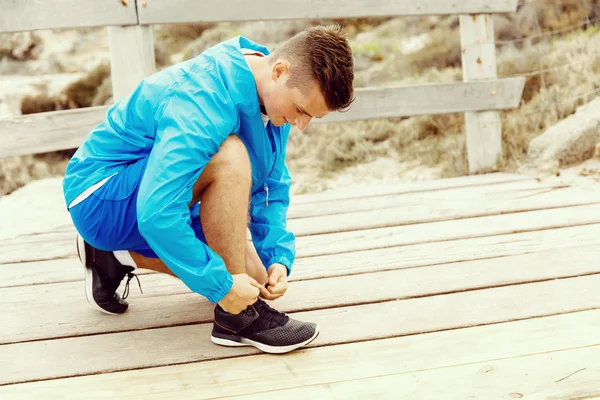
<point x="274" y="149"/>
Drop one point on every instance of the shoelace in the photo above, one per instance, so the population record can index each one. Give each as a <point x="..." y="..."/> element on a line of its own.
<point x="269" y="316"/>
<point x="130" y="276"/>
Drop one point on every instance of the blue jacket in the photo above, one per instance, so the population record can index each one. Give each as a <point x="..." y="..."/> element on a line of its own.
<point x="178" y="118"/>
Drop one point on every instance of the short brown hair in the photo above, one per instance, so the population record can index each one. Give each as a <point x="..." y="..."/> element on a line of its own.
<point x="323" y="54"/>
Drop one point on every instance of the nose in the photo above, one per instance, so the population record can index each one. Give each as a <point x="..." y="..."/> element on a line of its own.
<point x="302" y="122"/>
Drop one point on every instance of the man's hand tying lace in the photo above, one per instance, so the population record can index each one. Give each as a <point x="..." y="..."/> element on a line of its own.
<point x="277" y="282"/>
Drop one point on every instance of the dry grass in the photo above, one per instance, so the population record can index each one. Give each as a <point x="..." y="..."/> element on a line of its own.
<point x="88" y="91"/>
<point x="91" y="90"/>
<point x="172" y="38"/>
<point x="571" y="58"/>
<point x="16" y="172"/>
<point x="574" y="77"/>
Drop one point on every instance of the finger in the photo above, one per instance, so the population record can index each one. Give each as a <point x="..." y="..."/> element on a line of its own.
<point x="264" y="292"/>
<point x="260" y="288"/>
<point x="280" y="288"/>
<point x="271" y="296"/>
<point x="253" y="282"/>
<point x="275" y="277"/>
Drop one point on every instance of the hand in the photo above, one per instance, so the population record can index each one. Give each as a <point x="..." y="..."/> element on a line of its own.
<point x="243" y="293"/>
<point x="277" y="283"/>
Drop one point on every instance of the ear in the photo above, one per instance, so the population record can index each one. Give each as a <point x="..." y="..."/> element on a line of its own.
<point x="280" y="68"/>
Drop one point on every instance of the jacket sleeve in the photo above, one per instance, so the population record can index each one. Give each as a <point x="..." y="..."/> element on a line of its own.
<point x="189" y="131"/>
<point x="273" y="242"/>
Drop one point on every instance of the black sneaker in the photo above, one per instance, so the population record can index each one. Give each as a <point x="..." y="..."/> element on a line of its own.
<point x="263" y="327"/>
<point x="103" y="275"/>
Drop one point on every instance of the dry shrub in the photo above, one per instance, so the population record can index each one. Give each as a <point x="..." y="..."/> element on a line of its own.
<point x="16" y="172"/>
<point x="103" y="94"/>
<point x="524" y="61"/>
<point x="172" y="38"/>
<point x="88" y="91"/>
<point x="533" y="17"/>
<point x="85" y="92"/>
<point x="21" y="46"/>
<point x="354" y="26"/>
<point x="574" y="69"/>
<point x="330" y="148"/>
<point x="551" y="96"/>
<point x="434" y="140"/>
<point x="442" y="51"/>
<point x="42" y="103"/>
<point x="81" y="93"/>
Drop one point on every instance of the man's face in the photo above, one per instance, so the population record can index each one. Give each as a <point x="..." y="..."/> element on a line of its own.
<point x="285" y="104"/>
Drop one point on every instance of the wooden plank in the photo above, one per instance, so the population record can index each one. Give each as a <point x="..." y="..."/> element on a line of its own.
<point x="127" y="71"/>
<point x="529" y="376"/>
<point x="163" y="294"/>
<point x="424" y="211"/>
<point x="48" y="131"/>
<point x="42" y="272"/>
<point x="177" y="11"/>
<point x="374" y="190"/>
<point x="191" y="343"/>
<point x="444" y="252"/>
<point x="60" y="244"/>
<point x="313" y="366"/>
<point x="58" y="219"/>
<point x="396" y="210"/>
<point x="344" y="242"/>
<point x="43" y="132"/>
<point x="68" y="270"/>
<point x="483" y="129"/>
<point x="61" y="222"/>
<point x="429" y="99"/>
<point x="506" y="190"/>
<point x="30" y="15"/>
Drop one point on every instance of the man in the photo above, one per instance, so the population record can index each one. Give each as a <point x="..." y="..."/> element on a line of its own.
<point x="169" y="178"/>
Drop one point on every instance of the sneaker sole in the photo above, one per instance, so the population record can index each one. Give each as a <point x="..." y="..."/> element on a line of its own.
<point x="261" y="346"/>
<point x="89" y="279"/>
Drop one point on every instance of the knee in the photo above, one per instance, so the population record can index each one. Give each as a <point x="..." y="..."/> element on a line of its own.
<point x="232" y="159"/>
<point x="233" y="149"/>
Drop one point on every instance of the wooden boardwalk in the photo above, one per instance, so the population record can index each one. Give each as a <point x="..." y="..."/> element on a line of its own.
<point x="480" y="287"/>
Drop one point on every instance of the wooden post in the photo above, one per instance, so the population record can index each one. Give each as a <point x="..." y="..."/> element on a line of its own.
<point x="131" y="57"/>
<point x="483" y="129"/>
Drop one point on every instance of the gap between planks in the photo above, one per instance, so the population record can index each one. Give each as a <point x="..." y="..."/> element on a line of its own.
<point x="408" y="256"/>
<point x="407" y="354"/>
<point x="190" y="343"/>
<point x="336" y="243"/>
<point x="164" y="293"/>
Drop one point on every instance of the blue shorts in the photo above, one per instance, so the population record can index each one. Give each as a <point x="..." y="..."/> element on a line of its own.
<point x="107" y="219"/>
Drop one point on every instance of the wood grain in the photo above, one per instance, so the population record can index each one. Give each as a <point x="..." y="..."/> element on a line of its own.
<point x="166" y="301"/>
<point x="68" y="270"/>
<point x="60" y="244"/>
<point x="31" y="15"/>
<point x="190" y="343"/>
<point x="170" y="11"/>
<point x="59" y="130"/>
<point x="530" y="376"/>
